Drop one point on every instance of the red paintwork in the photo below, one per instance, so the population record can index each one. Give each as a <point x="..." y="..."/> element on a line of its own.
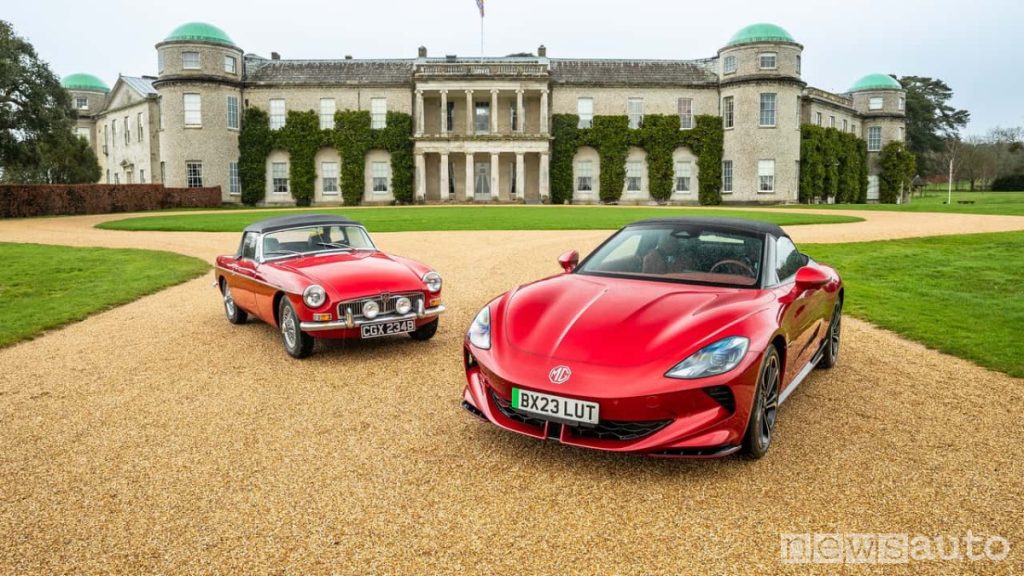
<point x="620" y="336"/>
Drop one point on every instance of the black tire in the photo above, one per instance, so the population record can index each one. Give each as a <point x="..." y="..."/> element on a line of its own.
<point x="297" y="343"/>
<point x="830" y="353"/>
<point x="425" y="332"/>
<point x="765" y="407"/>
<point x="235" y="314"/>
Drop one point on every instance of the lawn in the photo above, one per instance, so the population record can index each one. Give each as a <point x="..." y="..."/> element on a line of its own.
<point x="1006" y="203"/>
<point x="963" y="295"/>
<point x="405" y="219"/>
<point x="44" y="287"/>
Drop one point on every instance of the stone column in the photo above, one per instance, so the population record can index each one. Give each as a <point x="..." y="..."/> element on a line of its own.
<point x="419" y="113"/>
<point x="495" y="169"/>
<point x="544" y="192"/>
<point x="444" y="176"/>
<point x="520" y="112"/>
<point x="494" y="111"/>
<point x="470" y="181"/>
<point x="544" y="111"/>
<point x="469" y="112"/>
<point x="421" y="176"/>
<point x="520" y="176"/>
<point x="444" y="111"/>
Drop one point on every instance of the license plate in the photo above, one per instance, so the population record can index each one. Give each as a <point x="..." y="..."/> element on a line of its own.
<point x="387" y="328"/>
<point x="559" y="408"/>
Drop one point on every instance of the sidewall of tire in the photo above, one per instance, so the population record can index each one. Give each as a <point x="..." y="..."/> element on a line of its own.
<point x="751" y="446"/>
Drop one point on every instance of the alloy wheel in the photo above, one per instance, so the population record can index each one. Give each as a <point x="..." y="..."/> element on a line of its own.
<point x="769" y="400"/>
<point x="229" y="302"/>
<point x="834" y="333"/>
<point x="288" y="327"/>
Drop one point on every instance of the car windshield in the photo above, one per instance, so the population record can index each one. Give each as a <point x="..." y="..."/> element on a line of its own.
<point x="315" y="239"/>
<point x="680" y="254"/>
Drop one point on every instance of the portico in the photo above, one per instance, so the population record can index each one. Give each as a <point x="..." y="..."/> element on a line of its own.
<point x="481" y="171"/>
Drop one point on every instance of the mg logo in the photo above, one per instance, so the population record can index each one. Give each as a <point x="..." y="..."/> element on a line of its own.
<point x="559" y="374"/>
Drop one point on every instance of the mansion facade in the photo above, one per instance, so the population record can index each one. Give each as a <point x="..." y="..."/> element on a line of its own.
<point x="481" y="126"/>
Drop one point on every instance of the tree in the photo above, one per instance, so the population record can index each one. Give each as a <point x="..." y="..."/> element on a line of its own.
<point x="37" y="140"/>
<point x="931" y="121"/>
<point x="898" y="167"/>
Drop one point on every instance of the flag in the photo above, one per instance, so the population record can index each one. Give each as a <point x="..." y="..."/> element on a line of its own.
<point x="480" y="5"/>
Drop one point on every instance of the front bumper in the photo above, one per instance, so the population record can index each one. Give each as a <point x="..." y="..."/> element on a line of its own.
<point x="348" y="323"/>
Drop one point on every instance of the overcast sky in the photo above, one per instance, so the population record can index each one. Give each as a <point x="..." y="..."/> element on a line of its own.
<point x="973" y="45"/>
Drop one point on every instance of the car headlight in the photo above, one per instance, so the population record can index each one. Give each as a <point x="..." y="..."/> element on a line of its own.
<point x="711" y="360"/>
<point x="371" y="309"/>
<point x="314" y="296"/>
<point x="480" y="329"/>
<point x="403" y="305"/>
<point x="433" y="281"/>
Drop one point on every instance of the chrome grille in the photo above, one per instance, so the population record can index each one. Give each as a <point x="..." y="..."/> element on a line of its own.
<point x="387" y="303"/>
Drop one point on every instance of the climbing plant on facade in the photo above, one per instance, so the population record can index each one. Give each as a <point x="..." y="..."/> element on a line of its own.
<point x="897" y="172"/>
<point x="255" y="142"/>
<point x="833" y="164"/>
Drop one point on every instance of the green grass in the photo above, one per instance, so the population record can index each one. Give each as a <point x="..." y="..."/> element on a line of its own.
<point x="405" y="219"/>
<point x="44" y="287"/>
<point x="963" y="295"/>
<point x="1005" y="203"/>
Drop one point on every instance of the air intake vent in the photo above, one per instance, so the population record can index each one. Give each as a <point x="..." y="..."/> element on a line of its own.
<point x="722" y="395"/>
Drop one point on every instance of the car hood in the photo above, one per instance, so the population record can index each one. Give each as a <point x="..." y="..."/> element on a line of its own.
<point x="354" y="274"/>
<point x="620" y="322"/>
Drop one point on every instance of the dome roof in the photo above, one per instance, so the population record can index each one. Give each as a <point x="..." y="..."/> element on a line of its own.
<point x="876" y="82"/>
<point x="760" y="32"/>
<point x="199" y="32"/>
<point x="86" y="82"/>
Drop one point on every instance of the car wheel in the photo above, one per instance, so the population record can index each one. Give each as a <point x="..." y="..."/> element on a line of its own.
<point x="425" y="332"/>
<point x="765" y="407"/>
<point x="297" y="343"/>
<point x="835" y="331"/>
<point x="235" y="314"/>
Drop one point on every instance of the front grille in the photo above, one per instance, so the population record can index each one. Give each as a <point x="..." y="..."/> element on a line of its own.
<point x="722" y="395"/>
<point x="621" y="429"/>
<point x="505" y="407"/>
<point x="387" y="303"/>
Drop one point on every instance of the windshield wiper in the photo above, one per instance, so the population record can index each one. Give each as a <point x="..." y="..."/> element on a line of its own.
<point x="336" y="245"/>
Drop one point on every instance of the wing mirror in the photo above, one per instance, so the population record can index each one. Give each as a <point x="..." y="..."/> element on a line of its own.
<point x="810" y="277"/>
<point x="569" y="260"/>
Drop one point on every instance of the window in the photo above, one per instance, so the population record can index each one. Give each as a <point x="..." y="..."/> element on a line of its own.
<point x="82" y="103"/>
<point x="768" y="60"/>
<point x="249" y="243"/>
<point x="831" y="121"/>
<point x="327" y="109"/>
<point x="279" y="177"/>
<point x="727" y="176"/>
<point x="729" y="65"/>
<point x="685" y="113"/>
<point x="190" y="60"/>
<point x="234" y="184"/>
<point x="193" y="110"/>
<point x="329" y="173"/>
<point x="876" y="103"/>
<point x="902" y="103"/>
<point x="230" y="64"/>
<point x="113" y="131"/>
<point x="194" y="174"/>
<point x="108" y="176"/>
<point x="142" y="176"/>
<point x="163" y="171"/>
<point x="874" y="138"/>
<point x="787" y="259"/>
<point x="767" y="109"/>
<point x="635" y="108"/>
<point x="728" y="112"/>
<point x="83" y="133"/>
<point x="127" y="131"/>
<point x="380" y="176"/>
<point x="277" y="113"/>
<point x="450" y="116"/>
<point x="482" y="120"/>
<point x="233" y="112"/>
<point x="378" y="113"/>
<point x="846" y="124"/>
<point x="766" y="175"/>
<point x="585" y="110"/>
<point x="684" y="171"/>
<point x="138" y="125"/>
<point x="799" y="63"/>
<point x="853" y="128"/>
<point x="117" y="178"/>
<point x="160" y="61"/>
<point x="903" y="134"/>
<point x="513" y="117"/>
<point x="585" y="176"/>
<point x="634" y="175"/>
<point x="817" y="118"/>
<point x="160" y="111"/>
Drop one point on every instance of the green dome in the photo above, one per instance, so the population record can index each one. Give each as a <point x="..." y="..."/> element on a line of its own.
<point x="876" y="82"/>
<point x="199" y="32"/>
<point x="760" y="32"/>
<point x="84" y="82"/>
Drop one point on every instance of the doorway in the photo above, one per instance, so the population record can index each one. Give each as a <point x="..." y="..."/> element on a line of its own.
<point x="482" y="182"/>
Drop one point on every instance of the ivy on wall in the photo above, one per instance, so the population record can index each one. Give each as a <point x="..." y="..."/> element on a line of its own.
<point x="833" y="164"/>
<point x="659" y="136"/>
<point x="255" y="142"/>
<point x="898" y="166"/>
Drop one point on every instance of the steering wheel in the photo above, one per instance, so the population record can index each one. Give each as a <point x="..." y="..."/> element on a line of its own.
<point x="736" y="263"/>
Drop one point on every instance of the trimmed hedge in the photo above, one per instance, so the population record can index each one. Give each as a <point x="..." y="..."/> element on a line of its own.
<point x="1008" y="183"/>
<point x="22" y="201"/>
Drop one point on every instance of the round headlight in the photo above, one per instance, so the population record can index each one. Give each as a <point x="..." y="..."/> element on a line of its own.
<point x="403" y="305"/>
<point x="433" y="281"/>
<point x="314" y="296"/>
<point x="371" y="309"/>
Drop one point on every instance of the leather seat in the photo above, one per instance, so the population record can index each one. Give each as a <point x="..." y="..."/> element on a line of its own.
<point x="665" y="258"/>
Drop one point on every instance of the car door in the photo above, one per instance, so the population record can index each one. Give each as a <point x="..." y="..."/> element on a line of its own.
<point x="801" y="309"/>
<point x="243" y="270"/>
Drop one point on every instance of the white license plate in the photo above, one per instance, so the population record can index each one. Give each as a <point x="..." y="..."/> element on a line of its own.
<point x="555" y="407"/>
<point x="387" y="328"/>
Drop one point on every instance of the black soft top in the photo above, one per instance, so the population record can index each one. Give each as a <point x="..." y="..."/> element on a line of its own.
<point x="736" y="224"/>
<point x="298" y="221"/>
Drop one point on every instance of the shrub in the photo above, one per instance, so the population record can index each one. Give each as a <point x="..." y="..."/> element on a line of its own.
<point x="898" y="166"/>
<point x="22" y="201"/>
<point x="1008" y="183"/>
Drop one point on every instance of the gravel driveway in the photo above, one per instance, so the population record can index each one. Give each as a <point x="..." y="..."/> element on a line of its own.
<point x="156" y="438"/>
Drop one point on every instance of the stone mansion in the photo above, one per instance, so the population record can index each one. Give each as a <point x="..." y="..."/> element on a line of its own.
<point x="481" y="126"/>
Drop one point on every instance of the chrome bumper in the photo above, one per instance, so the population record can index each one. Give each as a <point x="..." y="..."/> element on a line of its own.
<point x="348" y="322"/>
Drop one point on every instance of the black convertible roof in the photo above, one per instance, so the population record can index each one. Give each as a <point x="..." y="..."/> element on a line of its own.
<point x="298" y="221"/>
<point x="738" y="224"/>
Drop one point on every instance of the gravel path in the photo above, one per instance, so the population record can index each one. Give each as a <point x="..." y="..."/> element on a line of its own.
<point x="157" y="438"/>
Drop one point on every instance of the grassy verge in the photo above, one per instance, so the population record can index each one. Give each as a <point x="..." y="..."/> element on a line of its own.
<point x="44" y="287"/>
<point x="1000" y="203"/>
<point x="963" y="295"/>
<point x="405" y="219"/>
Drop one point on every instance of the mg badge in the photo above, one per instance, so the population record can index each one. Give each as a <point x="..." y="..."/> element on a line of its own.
<point x="559" y="374"/>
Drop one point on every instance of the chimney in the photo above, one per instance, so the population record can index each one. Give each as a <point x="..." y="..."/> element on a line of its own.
<point x="450" y="57"/>
<point x="542" y="51"/>
<point x="348" y="56"/>
<point x="275" y="56"/>
<point x="422" y="52"/>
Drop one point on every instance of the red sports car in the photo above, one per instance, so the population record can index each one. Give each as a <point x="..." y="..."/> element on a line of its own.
<point x="322" y="276"/>
<point x="677" y="337"/>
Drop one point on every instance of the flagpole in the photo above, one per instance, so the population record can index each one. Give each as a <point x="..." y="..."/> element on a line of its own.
<point x="481" y="35"/>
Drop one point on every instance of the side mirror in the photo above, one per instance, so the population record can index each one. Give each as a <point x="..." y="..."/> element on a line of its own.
<point x="569" y="260"/>
<point x="810" y="277"/>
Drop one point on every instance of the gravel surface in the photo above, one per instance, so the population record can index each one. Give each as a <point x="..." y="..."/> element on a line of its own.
<point x="156" y="438"/>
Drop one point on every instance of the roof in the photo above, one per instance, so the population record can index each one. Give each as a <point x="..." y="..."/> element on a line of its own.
<point x="143" y="86"/>
<point x="876" y="82"/>
<point x="632" y="72"/>
<point x="199" y="32"/>
<point x="319" y="72"/>
<point x="298" y="221"/>
<point x="738" y="224"/>
<point x="760" y="32"/>
<point x="82" y="81"/>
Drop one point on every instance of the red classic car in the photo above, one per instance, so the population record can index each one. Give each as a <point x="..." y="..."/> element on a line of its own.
<point x="677" y="337"/>
<point x="322" y="275"/>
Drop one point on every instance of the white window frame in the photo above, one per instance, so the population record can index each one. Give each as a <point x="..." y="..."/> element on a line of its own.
<point x="768" y="109"/>
<point x="876" y="103"/>
<point x="127" y="132"/>
<point x="142" y="175"/>
<point x="763" y="57"/>
<point x="729" y="65"/>
<point x="766" y="176"/>
<point x="903" y="134"/>
<point x="846" y="125"/>
<point x="230" y="64"/>
<point x="728" y="112"/>
<point x="635" y="111"/>
<point x="192" y="108"/>
<point x="380" y="173"/>
<point x="685" y="109"/>
<point x="831" y="120"/>
<point x="188" y="63"/>
<point x="634" y="176"/>
<point x="279" y="178"/>
<point x="379" y="113"/>
<point x="585" y="111"/>
<point x="874" y="139"/>
<point x="902" y="103"/>
<point x="482" y="117"/>
<point x="234" y="182"/>
<point x="233" y="113"/>
<point x="819" y="119"/>
<point x="585" y="170"/>
<point x="194" y="173"/>
<point x="727" y="176"/>
<point x="138" y="126"/>
<point x="684" y="176"/>
<point x="278" y="113"/>
<point x="330" y="174"/>
<point x="328" y="106"/>
<point x="82" y="103"/>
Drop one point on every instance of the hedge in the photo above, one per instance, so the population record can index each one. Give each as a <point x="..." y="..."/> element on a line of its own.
<point x="833" y="164"/>
<point x="898" y="166"/>
<point x="1008" y="183"/>
<point x="22" y="201"/>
